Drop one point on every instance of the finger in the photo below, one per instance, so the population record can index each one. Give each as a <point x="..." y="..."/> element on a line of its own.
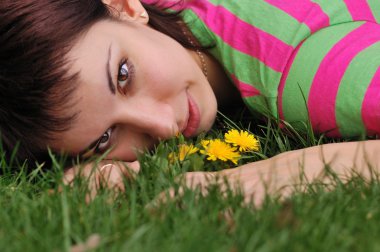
<point x="134" y="166"/>
<point x="194" y="179"/>
<point x="164" y="197"/>
<point x="68" y="176"/>
<point x="91" y="243"/>
<point x="112" y="176"/>
<point x="203" y="180"/>
<point x="128" y="169"/>
<point x="190" y="180"/>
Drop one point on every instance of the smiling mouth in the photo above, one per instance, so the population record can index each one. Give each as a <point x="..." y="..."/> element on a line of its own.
<point x="193" y="120"/>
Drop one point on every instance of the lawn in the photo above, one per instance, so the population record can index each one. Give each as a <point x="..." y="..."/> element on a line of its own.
<point x="38" y="216"/>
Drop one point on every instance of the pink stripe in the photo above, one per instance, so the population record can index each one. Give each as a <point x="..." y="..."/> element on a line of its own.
<point x="304" y="11"/>
<point x="284" y="78"/>
<point x="245" y="89"/>
<point x="371" y="106"/>
<point x="321" y="103"/>
<point x="360" y="10"/>
<point x="259" y="44"/>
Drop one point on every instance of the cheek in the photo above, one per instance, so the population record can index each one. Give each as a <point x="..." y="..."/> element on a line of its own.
<point x="164" y="78"/>
<point x="129" y="145"/>
<point x="167" y="65"/>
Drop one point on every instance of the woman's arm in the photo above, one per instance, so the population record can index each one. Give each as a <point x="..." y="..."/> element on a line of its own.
<point x="280" y="173"/>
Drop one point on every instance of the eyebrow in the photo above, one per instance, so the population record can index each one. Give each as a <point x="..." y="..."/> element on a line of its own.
<point x="111" y="86"/>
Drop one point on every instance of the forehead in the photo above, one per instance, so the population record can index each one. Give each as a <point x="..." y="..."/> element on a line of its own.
<point x="93" y="42"/>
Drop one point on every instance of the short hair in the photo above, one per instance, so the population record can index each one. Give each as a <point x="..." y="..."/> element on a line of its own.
<point x="35" y="84"/>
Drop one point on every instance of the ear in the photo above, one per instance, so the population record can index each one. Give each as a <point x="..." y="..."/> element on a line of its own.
<point x="131" y="10"/>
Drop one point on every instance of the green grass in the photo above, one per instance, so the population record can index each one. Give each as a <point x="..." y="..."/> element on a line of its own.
<point x="34" y="216"/>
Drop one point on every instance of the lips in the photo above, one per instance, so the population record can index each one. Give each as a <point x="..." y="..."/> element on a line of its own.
<point x="193" y="119"/>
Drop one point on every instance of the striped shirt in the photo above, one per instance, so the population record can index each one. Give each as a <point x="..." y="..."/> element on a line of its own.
<point x="303" y="61"/>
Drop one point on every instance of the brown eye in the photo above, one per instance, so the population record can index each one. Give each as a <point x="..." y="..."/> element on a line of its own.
<point x="123" y="76"/>
<point x="103" y="141"/>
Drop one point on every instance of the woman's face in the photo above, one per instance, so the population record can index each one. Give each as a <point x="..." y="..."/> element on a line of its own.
<point x="136" y="86"/>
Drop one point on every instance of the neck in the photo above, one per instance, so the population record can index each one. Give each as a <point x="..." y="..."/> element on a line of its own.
<point x="225" y="91"/>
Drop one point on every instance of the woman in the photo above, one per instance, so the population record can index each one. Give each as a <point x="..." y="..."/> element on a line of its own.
<point x="88" y="77"/>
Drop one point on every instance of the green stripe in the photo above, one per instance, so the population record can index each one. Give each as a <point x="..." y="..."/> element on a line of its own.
<point x="336" y="10"/>
<point x="352" y="89"/>
<point x="246" y="68"/>
<point x="305" y="66"/>
<point x="375" y="7"/>
<point x="268" y="18"/>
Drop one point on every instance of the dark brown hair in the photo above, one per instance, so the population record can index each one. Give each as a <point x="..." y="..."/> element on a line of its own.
<point x="35" y="87"/>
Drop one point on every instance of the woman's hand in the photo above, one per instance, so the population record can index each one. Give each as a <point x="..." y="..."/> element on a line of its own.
<point x="254" y="180"/>
<point x="104" y="174"/>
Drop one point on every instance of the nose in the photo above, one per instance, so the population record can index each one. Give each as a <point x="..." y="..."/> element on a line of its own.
<point x="156" y="119"/>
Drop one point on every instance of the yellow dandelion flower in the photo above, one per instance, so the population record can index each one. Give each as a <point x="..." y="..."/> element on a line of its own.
<point x="186" y="150"/>
<point x="205" y="143"/>
<point x="216" y="149"/>
<point x="244" y="140"/>
<point x="172" y="157"/>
